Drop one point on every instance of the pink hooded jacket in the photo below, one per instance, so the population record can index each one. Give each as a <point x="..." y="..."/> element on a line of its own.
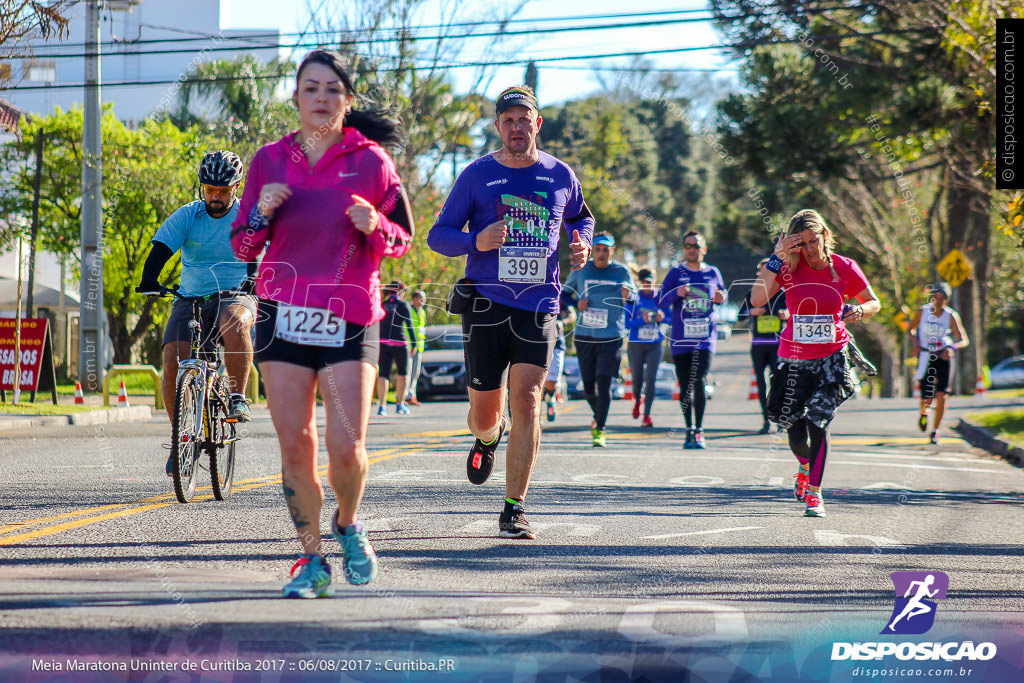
<point x="314" y="255"/>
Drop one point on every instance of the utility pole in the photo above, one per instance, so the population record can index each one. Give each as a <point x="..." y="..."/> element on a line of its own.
<point x="90" y="336"/>
<point x="40" y="137"/>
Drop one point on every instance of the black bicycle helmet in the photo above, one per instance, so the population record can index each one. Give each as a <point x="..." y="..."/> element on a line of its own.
<point x="220" y="169"/>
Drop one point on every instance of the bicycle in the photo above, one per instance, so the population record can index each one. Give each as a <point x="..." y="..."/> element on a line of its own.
<point x="200" y="423"/>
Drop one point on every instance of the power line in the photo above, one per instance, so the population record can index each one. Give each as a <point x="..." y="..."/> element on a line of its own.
<point x="461" y="65"/>
<point x="483" y="22"/>
<point x="379" y="40"/>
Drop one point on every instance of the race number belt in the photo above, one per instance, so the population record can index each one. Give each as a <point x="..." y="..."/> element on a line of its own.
<point x="522" y="264"/>
<point x="814" y="329"/>
<point x="768" y="324"/>
<point x="648" y="332"/>
<point x="696" y="328"/>
<point x="594" y="317"/>
<point x="312" y="326"/>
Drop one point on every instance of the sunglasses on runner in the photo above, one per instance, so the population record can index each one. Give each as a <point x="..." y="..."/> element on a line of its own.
<point x="691" y="245"/>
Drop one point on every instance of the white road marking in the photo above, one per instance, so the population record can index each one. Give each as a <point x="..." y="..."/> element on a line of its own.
<point x="484" y="526"/>
<point x="696" y="480"/>
<point x="831" y="538"/>
<point x="888" y="485"/>
<point x="776" y="481"/>
<point x="702" y="533"/>
<point x="638" y="622"/>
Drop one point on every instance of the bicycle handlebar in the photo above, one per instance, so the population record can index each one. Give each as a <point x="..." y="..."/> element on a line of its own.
<point x="173" y="291"/>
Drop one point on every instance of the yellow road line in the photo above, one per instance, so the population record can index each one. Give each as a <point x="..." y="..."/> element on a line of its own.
<point x="886" y="440"/>
<point x="244" y="485"/>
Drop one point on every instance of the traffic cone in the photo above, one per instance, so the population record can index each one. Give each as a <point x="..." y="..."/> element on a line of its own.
<point x="676" y="393"/>
<point x="629" y="386"/>
<point x="917" y="390"/>
<point x="79" y="396"/>
<point x="979" y="388"/>
<point x="122" y="396"/>
<point x="752" y="395"/>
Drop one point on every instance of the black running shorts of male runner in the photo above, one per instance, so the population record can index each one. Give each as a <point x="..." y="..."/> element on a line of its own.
<point x="361" y="344"/>
<point x="177" y="330"/>
<point x="498" y="336"/>
<point x="936" y="377"/>
<point x="397" y="354"/>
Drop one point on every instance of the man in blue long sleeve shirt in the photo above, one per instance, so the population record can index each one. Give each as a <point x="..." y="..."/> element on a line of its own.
<point x="515" y="201"/>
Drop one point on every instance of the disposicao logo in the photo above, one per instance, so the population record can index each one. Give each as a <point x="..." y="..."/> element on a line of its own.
<point x="913" y="614"/>
<point x="916" y="592"/>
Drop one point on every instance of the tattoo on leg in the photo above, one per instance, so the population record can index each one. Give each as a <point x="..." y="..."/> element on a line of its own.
<point x="293" y="508"/>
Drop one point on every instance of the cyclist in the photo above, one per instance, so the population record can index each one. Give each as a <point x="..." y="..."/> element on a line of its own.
<point x="692" y="290"/>
<point x="395" y="331"/>
<point x="644" y="318"/>
<point x="815" y="372"/>
<point x="937" y="333"/>
<point x="514" y="200"/>
<point x="328" y="204"/>
<point x="201" y="231"/>
<point x="599" y="292"/>
<point x="765" y="324"/>
<point x="419" y="330"/>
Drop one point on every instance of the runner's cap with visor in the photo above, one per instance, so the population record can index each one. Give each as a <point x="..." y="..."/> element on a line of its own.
<point x="605" y="240"/>
<point x="515" y="97"/>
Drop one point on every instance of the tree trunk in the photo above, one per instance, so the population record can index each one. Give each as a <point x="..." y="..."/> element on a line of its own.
<point x="968" y="211"/>
<point x="889" y="373"/>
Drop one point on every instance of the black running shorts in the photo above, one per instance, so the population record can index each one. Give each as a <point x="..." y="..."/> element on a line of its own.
<point x="499" y="336"/>
<point x="360" y="344"/>
<point x="393" y="354"/>
<point x="936" y="377"/>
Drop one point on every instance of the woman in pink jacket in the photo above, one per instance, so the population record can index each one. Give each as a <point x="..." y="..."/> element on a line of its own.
<point x="327" y="204"/>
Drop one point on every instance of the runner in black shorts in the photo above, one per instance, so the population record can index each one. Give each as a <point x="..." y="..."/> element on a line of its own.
<point x="938" y="333"/>
<point x="396" y="331"/>
<point x="516" y="201"/>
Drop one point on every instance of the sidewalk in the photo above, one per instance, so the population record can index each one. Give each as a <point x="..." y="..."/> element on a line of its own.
<point x="141" y="407"/>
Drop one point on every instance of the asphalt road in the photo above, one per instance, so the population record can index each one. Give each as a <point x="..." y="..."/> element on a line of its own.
<point x="650" y="560"/>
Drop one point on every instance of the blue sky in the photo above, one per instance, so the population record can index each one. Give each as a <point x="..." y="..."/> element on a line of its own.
<point x="555" y="84"/>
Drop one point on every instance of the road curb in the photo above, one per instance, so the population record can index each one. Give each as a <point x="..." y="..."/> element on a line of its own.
<point x="92" y="417"/>
<point x="986" y="440"/>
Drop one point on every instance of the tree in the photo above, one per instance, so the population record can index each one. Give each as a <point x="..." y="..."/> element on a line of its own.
<point x="148" y="173"/>
<point x="20" y="19"/>
<point x="237" y="100"/>
<point x="909" y="83"/>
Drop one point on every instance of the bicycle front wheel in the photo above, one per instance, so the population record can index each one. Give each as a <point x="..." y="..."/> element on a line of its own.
<point x="221" y="446"/>
<point x="186" y="433"/>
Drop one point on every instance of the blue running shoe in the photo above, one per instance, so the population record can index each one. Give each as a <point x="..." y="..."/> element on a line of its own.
<point x="313" y="581"/>
<point x="358" y="560"/>
<point x="401" y="409"/>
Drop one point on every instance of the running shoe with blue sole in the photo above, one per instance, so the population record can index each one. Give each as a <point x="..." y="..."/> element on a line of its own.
<point x="358" y="561"/>
<point x="313" y="581"/>
<point x="815" y="505"/>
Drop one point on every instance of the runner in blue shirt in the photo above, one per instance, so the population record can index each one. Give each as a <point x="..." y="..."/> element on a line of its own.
<point x="599" y="292"/>
<point x="644" y="317"/>
<point x="692" y="290"/>
<point x="515" y="202"/>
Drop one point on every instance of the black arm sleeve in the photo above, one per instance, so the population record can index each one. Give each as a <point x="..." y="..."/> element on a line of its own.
<point x="250" y="268"/>
<point x="158" y="257"/>
<point x="402" y="215"/>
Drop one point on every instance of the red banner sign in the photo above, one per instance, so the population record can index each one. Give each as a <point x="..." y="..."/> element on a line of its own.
<point x="33" y="344"/>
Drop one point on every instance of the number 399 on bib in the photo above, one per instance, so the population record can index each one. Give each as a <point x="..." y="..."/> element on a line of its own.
<point x="522" y="264"/>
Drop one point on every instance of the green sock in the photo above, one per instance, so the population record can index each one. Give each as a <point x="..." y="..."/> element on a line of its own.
<point x="513" y="501"/>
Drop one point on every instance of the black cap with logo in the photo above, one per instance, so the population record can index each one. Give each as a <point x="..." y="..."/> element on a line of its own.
<point x="515" y="97"/>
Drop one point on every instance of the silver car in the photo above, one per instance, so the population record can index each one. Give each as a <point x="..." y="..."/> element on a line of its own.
<point x="1008" y="373"/>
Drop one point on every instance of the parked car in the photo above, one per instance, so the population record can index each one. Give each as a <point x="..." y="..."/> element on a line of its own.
<point x="574" y="383"/>
<point x="443" y="370"/>
<point x="1008" y="373"/>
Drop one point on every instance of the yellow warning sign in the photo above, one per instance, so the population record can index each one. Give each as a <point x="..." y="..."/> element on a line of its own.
<point x="954" y="268"/>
